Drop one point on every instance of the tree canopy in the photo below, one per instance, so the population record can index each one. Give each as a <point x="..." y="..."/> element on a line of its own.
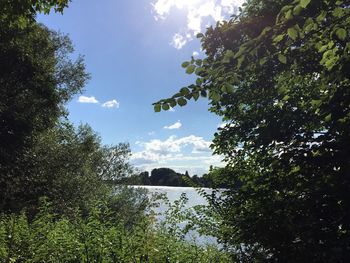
<point x="37" y="74"/>
<point x="15" y="10"/>
<point x="278" y="74"/>
<point x="37" y="78"/>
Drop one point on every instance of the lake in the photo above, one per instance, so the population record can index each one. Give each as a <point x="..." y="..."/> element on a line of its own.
<point x="174" y="193"/>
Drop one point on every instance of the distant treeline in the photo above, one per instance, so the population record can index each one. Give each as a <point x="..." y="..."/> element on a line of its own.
<point x="168" y="177"/>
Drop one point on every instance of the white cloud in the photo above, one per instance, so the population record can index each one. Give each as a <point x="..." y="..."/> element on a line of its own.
<point x="176" y="125"/>
<point x="157" y="150"/>
<point x="111" y="104"/>
<point x="151" y="133"/>
<point x="190" y="153"/>
<point x="195" y="53"/>
<point x="85" y="99"/>
<point x="199" y="13"/>
<point x="179" y="41"/>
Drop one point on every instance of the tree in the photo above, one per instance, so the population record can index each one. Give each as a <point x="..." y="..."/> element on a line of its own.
<point x="167" y="176"/>
<point x="162" y="176"/>
<point x="68" y="166"/>
<point x="37" y="78"/>
<point x="15" y="10"/>
<point x="41" y="154"/>
<point x="278" y="74"/>
<point x="144" y="178"/>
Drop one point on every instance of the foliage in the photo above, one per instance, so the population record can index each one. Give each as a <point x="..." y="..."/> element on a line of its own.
<point x="36" y="80"/>
<point x="20" y="11"/>
<point x="67" y="165"/>
<point x="278" y="74"/>
<point x="38" y="74"/>
<point x="96" y="238"/>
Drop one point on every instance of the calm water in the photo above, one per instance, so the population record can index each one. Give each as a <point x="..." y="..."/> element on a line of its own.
<point x="174" y="193"/>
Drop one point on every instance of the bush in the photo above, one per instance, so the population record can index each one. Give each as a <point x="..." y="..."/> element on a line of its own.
<point x="98" y="237"/>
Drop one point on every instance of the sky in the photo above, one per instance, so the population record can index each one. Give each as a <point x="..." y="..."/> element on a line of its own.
<point x="133" y="50"/>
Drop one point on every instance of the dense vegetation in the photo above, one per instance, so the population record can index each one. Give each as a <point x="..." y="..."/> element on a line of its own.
<point x="278" y="74"/>
<point x="99" y="236"/>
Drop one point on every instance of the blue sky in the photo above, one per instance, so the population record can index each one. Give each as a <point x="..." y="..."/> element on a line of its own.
<point x="133" y="50"/>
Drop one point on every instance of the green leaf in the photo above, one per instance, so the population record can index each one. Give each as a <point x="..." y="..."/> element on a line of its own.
<point x="199" y="70"/>
<point x="279" y="38"/>
<point x="198" y="62"/>
<point x="304" y="3"/>
<point x="182" y="102"/>
<point x="199" y="81"/>
<point x="172" y="103"/>
<point x="199" y="35"/>
<point x="190" y="69"/>
<point x="292" y="33"/>
<point x="185" y="64"/>
<point x="338" y="12"/>
<point x="240" y="51"/>
<point x="195" y="95"/>
<point x="329" y="58"/>
<point x="227" y="56"/>
<point x="188" y="96"/>
<point x="165" y="106"/>
<point x="282" y="58"/>
<point x="297" y="10"/>
<point x="309" y="25"/>
<point x="214" y="96"/>
<point x="263" y="33"/>
<point x="328" y="117"/>
<point x="230" y="89"/>
<point x="262" y="61"/>
<point x="157" y="108"/>
<point x="323" y="48"/>
<point x="295" y="169"/>
<point x="184" y="91"/>
<point x="316" y="103"/>
<point x="321" y="16"/>
<point x="203" y="93"/>
<point x="240" y="61"/>
<point x="341" y="33"/>
<point x="285" y="98"/>
<point x="288" y="15"/>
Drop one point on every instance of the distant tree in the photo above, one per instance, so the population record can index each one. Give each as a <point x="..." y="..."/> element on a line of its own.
<point x="278" y="74"/>
<point x="196" y="180"/>
<point x="166" y="176"/>
<point x="145" y="180"/>
<point x="161" y="176"/>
